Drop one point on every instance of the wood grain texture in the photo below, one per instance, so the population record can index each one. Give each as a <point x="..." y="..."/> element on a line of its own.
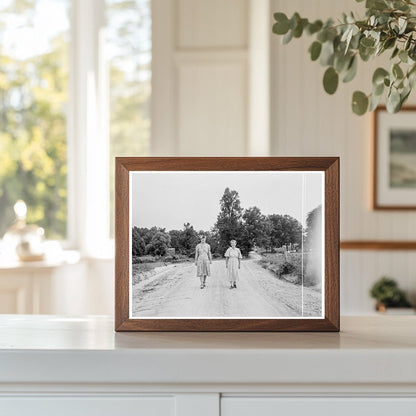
<point x="332" y="226"/>
<point x="378" y="245"/>
<point x="122" y="246"/>
<point x="376" y="204"/>
<point x="329" y="165"/>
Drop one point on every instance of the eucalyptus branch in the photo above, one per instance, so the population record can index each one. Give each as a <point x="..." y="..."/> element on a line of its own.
<point x="389" y="25"/>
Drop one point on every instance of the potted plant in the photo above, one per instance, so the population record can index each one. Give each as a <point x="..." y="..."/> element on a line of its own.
<point x="389" y="27"/>
<point x="387" y="294"/>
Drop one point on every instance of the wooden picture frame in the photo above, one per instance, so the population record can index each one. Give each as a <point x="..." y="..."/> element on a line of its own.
<point x="129" y="168"/>
<point x="394" y="184"/>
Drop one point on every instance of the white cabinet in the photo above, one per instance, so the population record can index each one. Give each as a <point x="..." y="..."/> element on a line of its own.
<point x="270" y="406"/>
<point x="88" y="406"/>
<point x="80" y="366"/>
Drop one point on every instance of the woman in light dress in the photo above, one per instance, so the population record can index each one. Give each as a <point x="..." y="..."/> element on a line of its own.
<point x="233" y="263"/>
<point x="203" y="259"/>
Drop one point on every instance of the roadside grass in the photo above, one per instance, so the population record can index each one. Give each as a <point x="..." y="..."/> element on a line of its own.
<point x="143" y="264"/>
<point x="287" y="267"/>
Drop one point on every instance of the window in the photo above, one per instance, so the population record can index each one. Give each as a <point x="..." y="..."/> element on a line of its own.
<point x="75" y="87"/>
<point x="129" y="43"/>
<point x="33" y="102"/>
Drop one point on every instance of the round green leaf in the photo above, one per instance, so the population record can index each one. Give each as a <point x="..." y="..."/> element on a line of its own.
<point x="281" y="27"/>
<point x="298" y="30"/>
<point x="315" y="50"/>
<point x="327" y="54"/>
<point x="314" y="27"/>
<point x="322" y="36"/>
<point x="330" y="80"/>
<point x="379" y="75"/>
<point x="351" y="71"/>
<point x="378" y="89"/>
<point x="367" y="42"/>
<point x="366" y="53"/>
<point x="389" y="43"/>
<point x="359" y="103"/>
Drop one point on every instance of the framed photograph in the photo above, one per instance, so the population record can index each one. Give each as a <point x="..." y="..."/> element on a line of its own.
<point x="394" y="159"/>
<point x="227" y="244"/>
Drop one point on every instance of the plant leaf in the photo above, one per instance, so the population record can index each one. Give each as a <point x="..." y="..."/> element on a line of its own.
<point x="374" y="101"/>
<point x="359" y="103"/>
<point x="402" y="25"/>
<point x="397" y="71"/>
<point x="395" y="52"/>
<point x="351" y="71"/>
<point x="327" y="53"/>
<point x="314" y="27"/>
<point x="281" y="27"/>
<point x="403" y="56"/>
<point x="379" y="75"/>
<point x="288" y="37"/>
<point x="393" y="101"/>
<point x="315" y="50"/>
<point x="330" y="80"/>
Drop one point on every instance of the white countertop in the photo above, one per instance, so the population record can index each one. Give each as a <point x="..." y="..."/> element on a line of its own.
<point x="53" y="349"/>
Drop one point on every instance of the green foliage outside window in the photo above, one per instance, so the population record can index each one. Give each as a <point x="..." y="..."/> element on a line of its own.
<point x="33" y="100"/>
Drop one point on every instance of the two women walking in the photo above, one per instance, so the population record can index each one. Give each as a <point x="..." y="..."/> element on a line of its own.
<point x="203" y="260"/>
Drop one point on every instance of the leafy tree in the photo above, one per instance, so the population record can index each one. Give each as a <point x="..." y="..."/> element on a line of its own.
<point x="255" y="229"/>
<point x="189" y="239"/>
<point x="33" y="101"/>
<point x="229" y="219"/>
<point x="159" y="244"/>
<point x="175" y="240"/>
<point x="184" y="241"/>
<point x="284" y="229"/>
<point x="138" y="243"/>
<point x="213" y="239"/>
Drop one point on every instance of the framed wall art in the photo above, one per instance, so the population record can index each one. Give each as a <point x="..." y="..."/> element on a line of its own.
<point x="227" y="244"/>
<point x="394" y="155"/>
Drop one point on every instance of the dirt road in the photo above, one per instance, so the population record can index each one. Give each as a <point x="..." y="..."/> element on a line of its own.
<point x="176" y="292"/>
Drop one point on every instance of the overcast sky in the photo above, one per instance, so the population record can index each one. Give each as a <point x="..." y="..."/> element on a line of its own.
<point x="170" y="199"/>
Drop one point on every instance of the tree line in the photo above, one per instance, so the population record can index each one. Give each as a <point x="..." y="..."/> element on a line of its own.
<point x="248" y="226"/>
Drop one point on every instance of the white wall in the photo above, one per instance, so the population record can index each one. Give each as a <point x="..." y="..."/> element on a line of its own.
<point x="200" y="77"/>
<point x="308" y="122"/>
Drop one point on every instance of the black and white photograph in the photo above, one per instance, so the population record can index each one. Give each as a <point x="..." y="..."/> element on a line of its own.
<point x="226" y="244"/>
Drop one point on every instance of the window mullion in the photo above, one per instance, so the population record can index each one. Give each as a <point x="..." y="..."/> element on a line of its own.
<point x="88" y="136"/>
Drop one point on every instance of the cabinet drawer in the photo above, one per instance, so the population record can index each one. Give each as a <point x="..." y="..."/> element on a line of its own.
<point x="87" y="406"/>
<point x="274" y="406"/>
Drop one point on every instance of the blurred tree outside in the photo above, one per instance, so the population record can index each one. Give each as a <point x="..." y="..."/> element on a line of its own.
<point x="33" y="100"/>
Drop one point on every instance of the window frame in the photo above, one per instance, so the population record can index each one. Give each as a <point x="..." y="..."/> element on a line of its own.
<point x="88" y="133"/>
